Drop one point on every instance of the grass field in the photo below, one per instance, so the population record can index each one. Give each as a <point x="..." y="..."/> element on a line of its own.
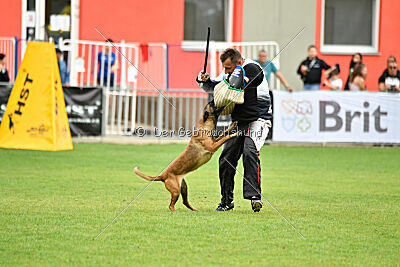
<point x="346" y="201"/>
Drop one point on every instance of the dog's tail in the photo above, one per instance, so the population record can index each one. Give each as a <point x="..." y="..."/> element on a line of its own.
<point x="145" y="176"/>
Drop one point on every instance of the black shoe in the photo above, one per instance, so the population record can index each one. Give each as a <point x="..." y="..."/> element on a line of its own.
<point x="256" y="205"/>
<point x="224" y="207"/>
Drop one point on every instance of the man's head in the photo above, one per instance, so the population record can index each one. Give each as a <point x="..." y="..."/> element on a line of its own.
<point x="262" y="56"/>
<point x="391" y="59"/>
<point x="312" y="52"/>
<point x="107" y="47"/>
<point x="392" y="68"/>
<point x="230" y="58"/>
<point x="2" y="59"/>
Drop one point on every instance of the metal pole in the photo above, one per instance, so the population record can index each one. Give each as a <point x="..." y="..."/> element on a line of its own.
<point x="103" y="112"/>
<point x="16" y="58"/>
<point x="167" y="67"/>
<point x="160" y="111"/>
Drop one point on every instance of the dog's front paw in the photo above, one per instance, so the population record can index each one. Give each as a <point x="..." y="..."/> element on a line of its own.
<point x="234" y="134"/>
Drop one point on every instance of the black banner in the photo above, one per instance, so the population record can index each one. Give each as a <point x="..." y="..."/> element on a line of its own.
<point x="83" y="106"/>
<point x="84" y="110"/>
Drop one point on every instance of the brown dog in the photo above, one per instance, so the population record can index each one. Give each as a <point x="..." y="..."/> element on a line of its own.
<point x="199" y="151"/>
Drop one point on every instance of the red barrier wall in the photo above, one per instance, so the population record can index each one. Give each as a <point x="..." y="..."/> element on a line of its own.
<point x="10" y="25"/>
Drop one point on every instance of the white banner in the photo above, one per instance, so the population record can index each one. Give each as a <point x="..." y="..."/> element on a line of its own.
<point x="329" y="116"/>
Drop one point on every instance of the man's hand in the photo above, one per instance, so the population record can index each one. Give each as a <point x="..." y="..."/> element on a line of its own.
<point x="303" y="69"/>
<point x="290" y="89"/>
<point x="203" y="76"/>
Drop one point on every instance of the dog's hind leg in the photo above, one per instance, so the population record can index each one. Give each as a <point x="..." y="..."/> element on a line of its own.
<point x="184" y="192"/>
<point x="173" y="187"/>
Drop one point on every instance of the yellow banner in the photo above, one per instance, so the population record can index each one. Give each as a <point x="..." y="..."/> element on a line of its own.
<point x="35" y="117"/>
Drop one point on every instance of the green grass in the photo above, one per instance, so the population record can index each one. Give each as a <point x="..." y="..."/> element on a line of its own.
<point x="346" y="201"/>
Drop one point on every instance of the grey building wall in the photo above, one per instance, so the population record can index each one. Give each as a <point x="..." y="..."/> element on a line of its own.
<point x="279" y="20"/>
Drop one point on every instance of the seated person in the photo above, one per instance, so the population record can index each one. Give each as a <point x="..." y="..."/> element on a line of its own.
<point x="390" y="78"/>
<point x="334" y="82"/>
<point x="357" y="80"/>
<point x="3" y="71"/>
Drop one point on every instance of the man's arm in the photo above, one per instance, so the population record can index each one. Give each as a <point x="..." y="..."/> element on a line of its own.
<point x="328" y="69"/>
<point x="382" y="87"/>
<point x="299" y="69"/>
<point x="381" y="83"/>
<point x="283" y="81"/>
<point x="278" y="74"/>
<point x="209" y="85"/>
<point x="326" y="66"/>
<point x="205" y="82"/>
<point x="255" y="75"/>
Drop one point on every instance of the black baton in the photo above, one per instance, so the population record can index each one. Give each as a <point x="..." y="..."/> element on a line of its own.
<point x="208" y="42"/>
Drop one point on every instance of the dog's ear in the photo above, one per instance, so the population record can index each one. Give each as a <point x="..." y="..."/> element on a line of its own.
<point x="205" y="115"/>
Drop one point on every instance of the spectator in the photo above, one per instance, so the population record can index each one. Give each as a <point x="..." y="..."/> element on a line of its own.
<point x="64" y="74"/>
<point x="269" y="67"/>
<point x="390" y="78"/>
<point x="357" y="80"/>
<point x="334" y="82"/>
<point x="356" y="59"/>
<point x="105" y="59"/>
<point x="310" y="69"/>
<point x="3" y="71"/>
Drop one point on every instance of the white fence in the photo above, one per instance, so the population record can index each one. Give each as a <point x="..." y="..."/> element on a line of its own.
<point x="248" y="50"/>
<point x="145" y="112"/>
<point x="133" y="99"/>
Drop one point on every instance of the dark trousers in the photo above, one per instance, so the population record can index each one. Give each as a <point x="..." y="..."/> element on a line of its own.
<point x="232" y="151"/>
<point x="105" y="80"/>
